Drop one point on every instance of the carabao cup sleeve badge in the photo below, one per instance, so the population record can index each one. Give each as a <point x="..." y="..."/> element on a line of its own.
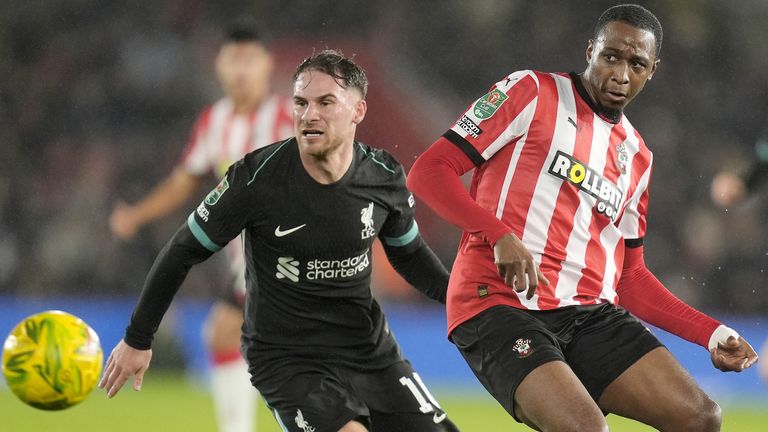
<point x="487" y="105"/>
<point x="214" y="196"/>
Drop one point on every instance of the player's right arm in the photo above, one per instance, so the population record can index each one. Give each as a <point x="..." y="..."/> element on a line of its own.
<point x="172" y="192"/>
<point x="497" y="119"/>
<point x="218" y="219"/>
<point x="165" y="198"/>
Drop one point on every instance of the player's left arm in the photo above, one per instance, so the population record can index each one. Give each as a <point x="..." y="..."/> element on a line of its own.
<point x="641" y="293"/>
<point x="409" y="255"/>
<point x="417" y="264"/>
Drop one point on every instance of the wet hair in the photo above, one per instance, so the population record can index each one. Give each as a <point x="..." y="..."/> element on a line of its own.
<point x="634" y="15"/>
<point x="245" y="30"/>
<point x="331" y="62"/>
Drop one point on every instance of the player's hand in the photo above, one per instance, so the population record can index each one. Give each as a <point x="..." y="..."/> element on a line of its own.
<point x="123" y="222"/>
<point x="515" y="263"/>
<point x="728" y="189"/>
<point x="733" y="355"/>
<point x="123" y="362"/>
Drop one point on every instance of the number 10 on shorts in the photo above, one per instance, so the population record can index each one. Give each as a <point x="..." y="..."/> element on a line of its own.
<point x="419" y="391"/>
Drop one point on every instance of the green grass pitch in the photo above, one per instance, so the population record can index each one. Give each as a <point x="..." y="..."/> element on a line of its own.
<point x="169" y="403"/>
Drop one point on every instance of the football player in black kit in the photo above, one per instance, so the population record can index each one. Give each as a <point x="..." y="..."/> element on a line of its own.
<point x="317" y="343"/>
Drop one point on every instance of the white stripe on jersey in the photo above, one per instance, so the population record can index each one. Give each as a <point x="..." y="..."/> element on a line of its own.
<point x="227" y="136"/>
<point x="546" y="192"/>
<point x="630" y="222"/>
<point x="576" y="249"/>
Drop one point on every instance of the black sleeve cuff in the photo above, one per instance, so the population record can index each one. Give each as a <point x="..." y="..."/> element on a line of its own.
<point x="138" y="340"/>
<point x="633" y="243"/>
<point x="465" y="147"/>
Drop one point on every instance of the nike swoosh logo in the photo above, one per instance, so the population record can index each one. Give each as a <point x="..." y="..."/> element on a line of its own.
<point x="438" y="418"/>
<point x="279" y="233"/>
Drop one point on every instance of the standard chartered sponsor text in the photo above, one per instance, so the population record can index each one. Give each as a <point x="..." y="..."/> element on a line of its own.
<point x="333" y="269"/>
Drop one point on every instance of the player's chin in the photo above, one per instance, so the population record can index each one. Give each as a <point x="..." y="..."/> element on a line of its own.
<point x="313" y="146"/>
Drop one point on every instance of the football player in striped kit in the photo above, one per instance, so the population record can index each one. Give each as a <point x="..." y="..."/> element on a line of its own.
<point x="553" y="244"/>
<point x="247" y="118"/>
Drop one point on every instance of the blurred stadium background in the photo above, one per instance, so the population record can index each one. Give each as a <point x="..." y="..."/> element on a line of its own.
<point x="97" y="98"/>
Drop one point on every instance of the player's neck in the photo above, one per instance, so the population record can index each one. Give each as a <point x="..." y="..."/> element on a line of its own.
<point x="330" y="167"/>
<point x="246" y="106"/>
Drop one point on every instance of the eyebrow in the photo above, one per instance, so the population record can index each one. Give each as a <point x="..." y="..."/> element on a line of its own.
<point x="325" y="96"/>
<point x="610" y="50"/>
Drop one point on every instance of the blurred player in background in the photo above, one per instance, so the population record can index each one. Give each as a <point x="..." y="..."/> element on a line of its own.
<point x="557" y="210"/>
<point x="732" y="188"/>
<point x="247" y="118"/>
<point x="310" y="207"/>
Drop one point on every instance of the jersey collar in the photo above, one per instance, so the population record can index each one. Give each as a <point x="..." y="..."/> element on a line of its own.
<point x="582" y="91"/>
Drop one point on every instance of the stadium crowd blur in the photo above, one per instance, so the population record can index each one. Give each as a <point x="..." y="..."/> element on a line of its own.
<point x="97" y="98"/>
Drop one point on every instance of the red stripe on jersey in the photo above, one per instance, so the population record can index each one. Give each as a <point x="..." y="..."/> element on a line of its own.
<point x="568" y="200"/>
<point x="284" y="118"/>
<point x="201" y="126"/>
<point x="593" y="274"/>
<point x="225" y="134"/>
<point x="640" y="163"/>
<point x="532" y="160"/>
<point x="520" y="95"/>
<point x="248" y="143"/>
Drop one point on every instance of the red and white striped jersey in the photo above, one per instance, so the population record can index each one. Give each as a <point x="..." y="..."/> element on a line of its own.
<point x="222" y="136"/>
<point x="570" y="183"/>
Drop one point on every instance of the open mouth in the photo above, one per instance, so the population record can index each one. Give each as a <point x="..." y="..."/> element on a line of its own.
<point x="311" y="133"/>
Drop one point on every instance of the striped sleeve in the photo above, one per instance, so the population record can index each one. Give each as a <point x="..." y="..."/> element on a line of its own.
<point x="633" y="223"/>
<point x="497" y="118"/>
<point x="195" y="158"/>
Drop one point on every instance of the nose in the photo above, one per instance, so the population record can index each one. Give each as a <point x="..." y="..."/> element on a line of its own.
<point x="310" y="112"/>
<point x="621" y="73"/>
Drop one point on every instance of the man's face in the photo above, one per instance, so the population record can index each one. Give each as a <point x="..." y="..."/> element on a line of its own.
<point x="325" y="114"/>
<point x="620" y="61"/>
<point x="244" y="69"/>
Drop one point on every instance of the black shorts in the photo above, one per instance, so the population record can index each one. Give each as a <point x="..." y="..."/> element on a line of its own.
<point x="321" y="397"/>
<point x="503" y="344"/>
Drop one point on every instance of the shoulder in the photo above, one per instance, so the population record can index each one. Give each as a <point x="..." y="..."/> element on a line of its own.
<point x="379" y="162"/>
<point x="265" y="159"/>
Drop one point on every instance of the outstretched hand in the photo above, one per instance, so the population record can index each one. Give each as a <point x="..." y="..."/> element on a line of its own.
<point x="121" y="364"/>
<point x="733" y="355"/>
<point x="516" y="265"/>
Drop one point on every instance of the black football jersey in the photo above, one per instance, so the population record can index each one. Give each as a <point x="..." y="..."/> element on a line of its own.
<point x="308" y="245"/>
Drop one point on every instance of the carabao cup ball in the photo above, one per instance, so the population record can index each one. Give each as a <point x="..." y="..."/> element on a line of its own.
<point x="52" y="360"/>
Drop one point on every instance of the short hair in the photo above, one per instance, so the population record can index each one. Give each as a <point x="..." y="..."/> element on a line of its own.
<point x="343" y="69"/>
<point x="245" y="30"/>
<point x="634" y="15"/>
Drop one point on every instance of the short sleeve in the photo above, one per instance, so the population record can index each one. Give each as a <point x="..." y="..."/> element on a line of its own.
<point x="196" y="157"/>
<point x="633" y="223"/>
<point x="400" y="227"/>
<point x="225" y="211"/>
<point x="498" y="118"/>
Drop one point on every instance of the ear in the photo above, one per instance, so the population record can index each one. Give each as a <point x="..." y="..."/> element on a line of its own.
<point x="360" y="109"/>
<point x="653" y="69"/>
<point x="590" y="49"/>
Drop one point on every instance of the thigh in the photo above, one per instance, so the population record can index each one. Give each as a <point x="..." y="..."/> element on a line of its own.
<point x="313" y="401"/>
<point x="520" y="363"/>
<point x="656" y="390"/>
<point x="223" y="326"/>
<point x="606" y="344"/>
<point x="398" y="399"/>
<point x="502" y="345"/>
